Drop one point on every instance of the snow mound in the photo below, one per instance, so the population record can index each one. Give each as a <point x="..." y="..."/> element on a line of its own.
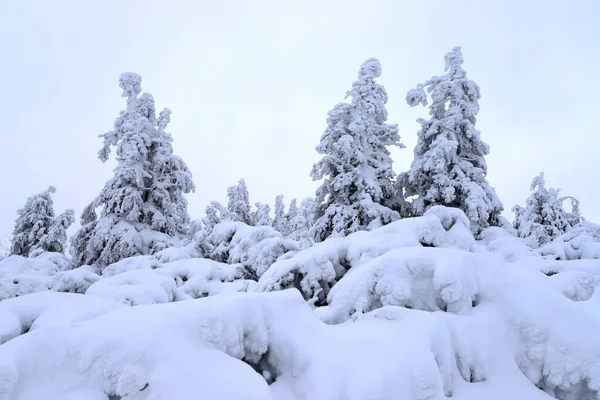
<point x="131" y="263"/>
<point x="197" y="278"/>
<point x="505" y="245"/>
<point x="20" y="276"/>
<point x="420" y="278"/>
<point x="135" y="287"/>
<point x="171" y="254"/>
<point x="77" y="280"/>
<point x="27" y="313"/>
<point x="581" y="242"/>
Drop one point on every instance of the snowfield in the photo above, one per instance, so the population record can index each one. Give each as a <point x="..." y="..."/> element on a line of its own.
<point x="417" y="309"/>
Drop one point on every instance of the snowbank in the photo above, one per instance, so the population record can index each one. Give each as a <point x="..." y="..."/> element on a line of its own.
<point x="232" y="346"/>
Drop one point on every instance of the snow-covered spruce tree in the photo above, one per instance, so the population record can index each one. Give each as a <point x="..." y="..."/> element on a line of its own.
<point x="543" y="218"/>
<point x="143" y="207"/>
<point x="280" y="221"/>
<point x="261" y="216"/>
<point x="449" y="167"/>
<point x="238" y="204"/>
<point x="37" y="229"/>
<point x="33" y="223"/>
<point x="356" y="167"/>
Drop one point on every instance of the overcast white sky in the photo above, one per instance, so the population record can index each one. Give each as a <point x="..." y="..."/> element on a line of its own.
<point x="250" y="84"/>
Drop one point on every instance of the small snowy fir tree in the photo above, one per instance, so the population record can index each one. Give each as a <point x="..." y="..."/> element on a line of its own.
<point x="449" y="167"/>
<point x="261" y="217"/>
<point x="543" y="218"/>
<point x="37" y="230"/>
<point x="356" y="167"/>
<point x="300" y="219"/>
<point x="574" y="216"/>
<point x="143" y="206"/>
<point x="238" y="203"/>
<point x="291" y="215"/>
<point x="280" y="222"/>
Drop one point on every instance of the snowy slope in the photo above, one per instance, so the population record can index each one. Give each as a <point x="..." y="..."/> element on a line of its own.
<point x="417" y="309"/>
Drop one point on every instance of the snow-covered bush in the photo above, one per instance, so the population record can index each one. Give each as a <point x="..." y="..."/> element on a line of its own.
<point x="356" y="167"/>
<point x="255" y="247"/>
<point x="449" y="167"/>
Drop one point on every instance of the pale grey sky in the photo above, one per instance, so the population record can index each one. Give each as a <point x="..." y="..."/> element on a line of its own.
<point x="250" y="84"/>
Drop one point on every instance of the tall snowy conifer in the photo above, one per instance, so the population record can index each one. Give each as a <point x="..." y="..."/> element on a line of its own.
<point x="280" y="222"/>
<point x="356" y="167"/>
<point x="143" y="204"/>
<point x="37" y="229"/>
<point x="543" y="218"/>
<point x="238" y="203"/>
<point x="261" y="216"/>
<point x="449" y="167"/>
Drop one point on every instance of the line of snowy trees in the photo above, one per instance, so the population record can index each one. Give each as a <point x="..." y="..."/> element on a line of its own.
<point x="143" y="210"/>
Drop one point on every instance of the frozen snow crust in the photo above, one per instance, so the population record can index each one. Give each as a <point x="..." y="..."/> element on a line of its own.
<point x="417" y="309"/>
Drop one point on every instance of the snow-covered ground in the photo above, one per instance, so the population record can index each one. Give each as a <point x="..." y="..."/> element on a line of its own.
<point x="417" y="309"/>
